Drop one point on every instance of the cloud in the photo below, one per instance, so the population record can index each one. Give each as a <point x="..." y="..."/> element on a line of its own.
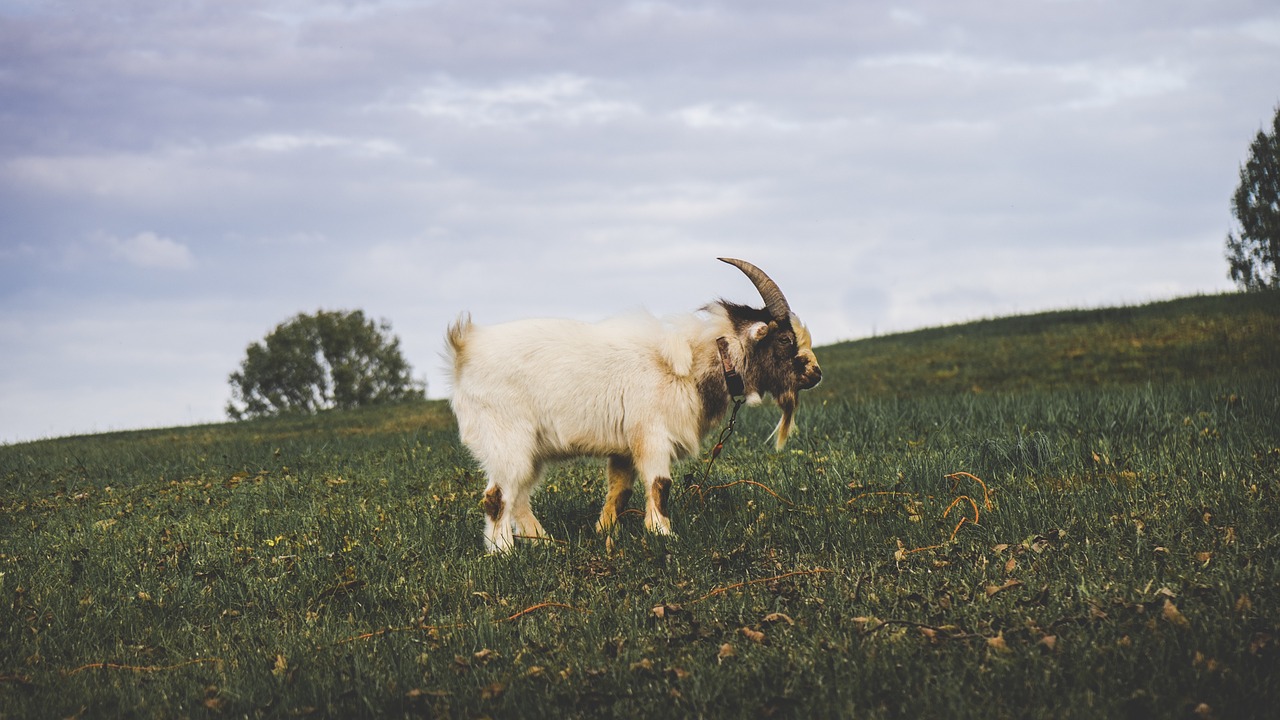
<point x="906" y="16"/>
<point x="1022" y="84"/>
<point x="294" y="142"/>
<point x="560" y="98"/>
<point x="1110" y="85"/>
<point x="736" y="116"/>
<point x="106" y="175"/>
<point x="1263" y="30"/>
<point x="150" y="251"/>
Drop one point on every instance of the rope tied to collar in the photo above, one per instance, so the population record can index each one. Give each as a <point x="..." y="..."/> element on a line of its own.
<point x="737" y="392"/>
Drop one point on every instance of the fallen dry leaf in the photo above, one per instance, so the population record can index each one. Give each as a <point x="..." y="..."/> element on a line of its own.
<point x="665" y="609"/>
<point x="992" y="589"/>
<point x="754" y="636"/>
<point x="1200" y="660"/>
<point x="1260" y="643"/>
<point x="779" y="617"/>
<point x="863" y="622"/>
<point x="1049" y="642"/>
<point x="726" y="651"/>
<point x="998" y="644"/>
<point x="901" y="553"/>
<point x="418" y="693"/>
<point x="1011" y="565"/>
<point x="1173" y="615"/>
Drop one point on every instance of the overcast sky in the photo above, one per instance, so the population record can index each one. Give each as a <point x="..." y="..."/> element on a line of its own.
<point x="178" y="177"/>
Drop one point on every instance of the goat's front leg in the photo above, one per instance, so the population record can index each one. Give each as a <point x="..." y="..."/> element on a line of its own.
<point x="656" y="472"/>
<point x="527" y="525"/>
<point x="498" y="537"/>
<point x="657" y="517"/>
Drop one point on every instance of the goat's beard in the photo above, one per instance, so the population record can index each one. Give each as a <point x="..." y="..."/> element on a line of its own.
<point x="787" y="402"/>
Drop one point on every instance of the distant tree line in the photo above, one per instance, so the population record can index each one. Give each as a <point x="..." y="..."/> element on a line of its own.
<point x="332" y="359"/>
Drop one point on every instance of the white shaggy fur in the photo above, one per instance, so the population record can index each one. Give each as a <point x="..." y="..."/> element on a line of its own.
<point x="534" y="391"/>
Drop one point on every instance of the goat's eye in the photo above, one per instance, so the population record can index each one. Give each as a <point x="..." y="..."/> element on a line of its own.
<point x="785" y="340"/>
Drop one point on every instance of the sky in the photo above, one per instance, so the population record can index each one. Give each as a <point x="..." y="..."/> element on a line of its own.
<point x="178" y="177"/>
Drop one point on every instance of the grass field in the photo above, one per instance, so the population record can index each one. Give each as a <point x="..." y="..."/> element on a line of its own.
<point x="1065" y="515"/>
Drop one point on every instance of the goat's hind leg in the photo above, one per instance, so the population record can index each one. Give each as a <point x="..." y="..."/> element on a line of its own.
<point x="621" y="472"/>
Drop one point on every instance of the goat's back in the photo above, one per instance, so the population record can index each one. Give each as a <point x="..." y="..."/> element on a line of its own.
<point x="565" y="387"/>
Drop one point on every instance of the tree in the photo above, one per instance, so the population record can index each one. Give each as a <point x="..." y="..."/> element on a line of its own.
<point x="1254" y="255"/>
<point x="322" y="361"/>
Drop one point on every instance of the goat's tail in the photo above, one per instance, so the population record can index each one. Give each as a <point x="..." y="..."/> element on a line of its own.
<point x="457" y="342"/>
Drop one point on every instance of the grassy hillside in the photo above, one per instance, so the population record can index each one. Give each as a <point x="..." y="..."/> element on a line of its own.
<point x="1061" y="515"/>
<point x="1191" y="339"/>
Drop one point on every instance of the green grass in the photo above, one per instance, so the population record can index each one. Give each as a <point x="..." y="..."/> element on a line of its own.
<point x="1193" y="338"/>
<point x="333" y="566"/>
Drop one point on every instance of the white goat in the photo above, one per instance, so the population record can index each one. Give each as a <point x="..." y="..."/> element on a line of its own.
<point x="639" y="391"/>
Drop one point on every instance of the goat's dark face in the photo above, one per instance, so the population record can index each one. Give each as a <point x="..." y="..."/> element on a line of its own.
<point x="780" y="360"/>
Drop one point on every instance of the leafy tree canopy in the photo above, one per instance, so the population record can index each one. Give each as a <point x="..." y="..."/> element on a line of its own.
<point x="1254" y="254"/>
<point x="322" y="361"/>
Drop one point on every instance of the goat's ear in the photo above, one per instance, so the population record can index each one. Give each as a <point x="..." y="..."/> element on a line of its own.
<point x="757" y="331"/>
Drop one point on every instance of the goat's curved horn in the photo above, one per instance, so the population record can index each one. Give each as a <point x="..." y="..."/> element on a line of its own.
<point x="769" y="290"/>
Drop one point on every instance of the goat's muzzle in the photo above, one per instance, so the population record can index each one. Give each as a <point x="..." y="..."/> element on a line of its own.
<point x="810" y="377"/>
<point x="808" y="373"/>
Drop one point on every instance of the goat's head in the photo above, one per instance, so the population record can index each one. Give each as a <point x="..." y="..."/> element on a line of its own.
<point x="778" y="350"/>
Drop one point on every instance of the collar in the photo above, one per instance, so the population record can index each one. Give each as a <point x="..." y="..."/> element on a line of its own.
<point x="737" y="388"/>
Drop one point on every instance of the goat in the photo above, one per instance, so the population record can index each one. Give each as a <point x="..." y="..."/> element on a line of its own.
<point x="639" y="391"/>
